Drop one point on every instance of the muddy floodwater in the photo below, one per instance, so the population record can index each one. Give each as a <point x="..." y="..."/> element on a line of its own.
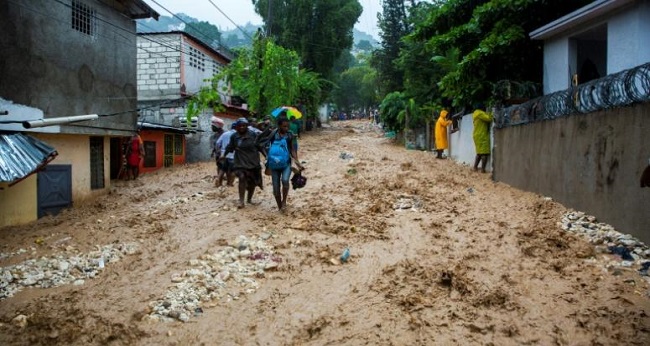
<point x="438" y="255"/>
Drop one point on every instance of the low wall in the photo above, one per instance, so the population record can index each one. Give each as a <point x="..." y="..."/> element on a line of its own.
<point x="591" y="163"/>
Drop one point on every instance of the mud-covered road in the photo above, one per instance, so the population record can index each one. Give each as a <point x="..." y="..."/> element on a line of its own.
<point x="440" y="255"/>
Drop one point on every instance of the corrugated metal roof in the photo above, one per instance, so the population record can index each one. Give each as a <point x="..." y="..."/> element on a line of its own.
<point x="22" y="155"/>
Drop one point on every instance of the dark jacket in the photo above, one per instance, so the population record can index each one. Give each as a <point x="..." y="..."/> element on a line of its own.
<point x="247" y="149"/>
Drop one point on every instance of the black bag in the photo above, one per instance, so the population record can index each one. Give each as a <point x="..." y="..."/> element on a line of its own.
<point x="298" y="181"/>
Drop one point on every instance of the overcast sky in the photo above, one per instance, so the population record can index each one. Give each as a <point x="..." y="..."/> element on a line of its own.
<point x="242" y="12"/>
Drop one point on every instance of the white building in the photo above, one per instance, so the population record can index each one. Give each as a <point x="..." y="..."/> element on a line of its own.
<point x="608" y="35"/>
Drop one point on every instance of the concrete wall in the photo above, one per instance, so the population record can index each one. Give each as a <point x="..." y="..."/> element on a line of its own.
<point x="18" y="203"/>
<point x="461" y="143"/>
<point x="556" y="68"/>
<point x="591" y="163"/>
<point x="159" y="67"/>
<point x="75" y="150"/>
<point x="169" y="62"/>
<point x="46" y="64"/>
<point x="164" y="73"/>
<point x="628" y="38"/>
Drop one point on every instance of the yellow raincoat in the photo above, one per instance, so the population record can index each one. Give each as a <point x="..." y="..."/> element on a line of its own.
<point x="481" y="133"/>
<point x="441" y="131"/>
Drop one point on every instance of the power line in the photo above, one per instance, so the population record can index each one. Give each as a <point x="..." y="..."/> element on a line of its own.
<point x="22" y="5"/>
<point x="225" y="15"/>
<point x="186" y="23"/>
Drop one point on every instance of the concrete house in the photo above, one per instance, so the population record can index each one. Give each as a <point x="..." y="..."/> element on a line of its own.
<point x="64" y="59"/>
<point x="602" y="38"/>
<point x="585" y="143"/>
<point x="172" y="66"/>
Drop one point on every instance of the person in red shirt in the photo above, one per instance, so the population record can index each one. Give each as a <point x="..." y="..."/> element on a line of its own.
<point x="134" y="155"/>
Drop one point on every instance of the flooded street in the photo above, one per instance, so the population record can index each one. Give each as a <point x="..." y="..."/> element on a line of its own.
<point x="439" y="255"/>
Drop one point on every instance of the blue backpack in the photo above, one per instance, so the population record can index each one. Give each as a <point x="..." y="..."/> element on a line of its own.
<point x="278" y="157"/>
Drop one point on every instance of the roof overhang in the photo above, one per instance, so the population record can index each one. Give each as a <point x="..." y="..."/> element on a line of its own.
<point x="138" y="9"/>
<point x="580" y="16"/>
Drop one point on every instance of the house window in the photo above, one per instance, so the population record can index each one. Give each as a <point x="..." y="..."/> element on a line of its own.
<point x="83" y="18"/>
<point x="178" y="144"/>
<point x="149" y="154"/>
<point x="197" y="58"/>
<point x="96" y="163"/>
<point x="216" y="67"/>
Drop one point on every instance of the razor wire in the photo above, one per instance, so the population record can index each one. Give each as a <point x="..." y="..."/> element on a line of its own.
<point x="616" y="90"/>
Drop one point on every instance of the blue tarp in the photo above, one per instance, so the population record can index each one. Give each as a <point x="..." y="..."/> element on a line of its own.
<point x="22" y="155"/>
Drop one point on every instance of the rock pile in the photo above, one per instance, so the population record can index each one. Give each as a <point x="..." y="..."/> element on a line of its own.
<point x="226" y="274"/>
<point x="63" y="268"/>
<point x="607" y="240"/>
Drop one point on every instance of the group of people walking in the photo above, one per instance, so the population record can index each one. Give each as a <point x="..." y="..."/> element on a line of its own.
<point x="237" y="154"/>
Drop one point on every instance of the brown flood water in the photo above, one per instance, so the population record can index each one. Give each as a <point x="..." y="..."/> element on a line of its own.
<point x="440" y="255"/>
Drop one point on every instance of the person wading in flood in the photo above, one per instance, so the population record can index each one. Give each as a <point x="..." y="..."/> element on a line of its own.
<point x="281" y="152"/>
<point x="246" y="164"/>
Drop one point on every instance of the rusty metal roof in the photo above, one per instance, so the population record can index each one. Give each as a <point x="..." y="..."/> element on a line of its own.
<point x="22" y="155"/>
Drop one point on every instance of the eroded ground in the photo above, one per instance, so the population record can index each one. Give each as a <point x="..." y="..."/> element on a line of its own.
<point x="440" y="255"/>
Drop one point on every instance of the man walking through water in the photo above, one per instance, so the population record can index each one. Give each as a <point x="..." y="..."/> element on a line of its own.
<point x="282" y="150"/>
<point x="246" y="164"/>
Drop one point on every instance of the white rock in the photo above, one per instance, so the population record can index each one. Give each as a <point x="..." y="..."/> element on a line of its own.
<point x="64" y="266"/>
<point x="19" y="321"/>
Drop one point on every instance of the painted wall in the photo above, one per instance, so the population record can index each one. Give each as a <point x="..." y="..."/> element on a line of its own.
<point x="75" y="150"/>
<point x="159" y="138"/>
<point x="628" y="38"/>
<point x="591" y="163"/>
<point x="461" y="143"/>
<point x="556" y="70"/>
<point x="53" y="67"/>
<point x="18" y="203"/>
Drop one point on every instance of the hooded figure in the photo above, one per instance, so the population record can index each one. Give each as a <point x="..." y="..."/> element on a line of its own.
<point x="481" y="137"/>
<point x="441" y="133"/>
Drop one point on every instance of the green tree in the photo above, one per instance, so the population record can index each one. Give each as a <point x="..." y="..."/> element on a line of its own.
<point x="421" y="76"/>
<point x="356" y="89"/>
<point x="393" y="26"/>
<point x="392" y="110"/>
<point x="205" y="32"/>
<point x="320" y="31"/>
<point x="364" y="45"/>
<point x="266" y="76"/>
<point x="492" y="41"/>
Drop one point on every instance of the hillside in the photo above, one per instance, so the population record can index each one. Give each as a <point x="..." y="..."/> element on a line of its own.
<point x="230" y="38"/>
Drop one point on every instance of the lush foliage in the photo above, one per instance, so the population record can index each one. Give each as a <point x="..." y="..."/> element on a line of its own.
<point x="320" y="31"/>
<point x="393" y="26"/>
<point x="356" y="88"/>
<point x="266" y="76"/>
<point x="205" y="32"/>
<point x="392" y="109"/>
<point x="491" y="39"/>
